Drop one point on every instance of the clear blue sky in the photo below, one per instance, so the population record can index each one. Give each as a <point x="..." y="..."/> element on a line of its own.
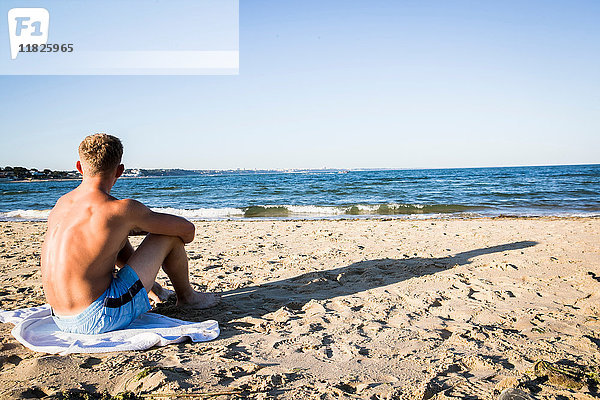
<point x="347" y="84"/>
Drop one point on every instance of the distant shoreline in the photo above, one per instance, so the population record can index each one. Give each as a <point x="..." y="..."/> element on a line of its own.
<point x="73" y="179"/>
<point x="178" y="172"/>
<point x="42" y="180"/>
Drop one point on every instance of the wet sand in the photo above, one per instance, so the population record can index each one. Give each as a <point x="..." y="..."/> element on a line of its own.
<point x="374" y="309"/>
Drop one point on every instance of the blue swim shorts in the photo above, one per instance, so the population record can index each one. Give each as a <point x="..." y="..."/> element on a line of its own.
<point x="123" y="301"/>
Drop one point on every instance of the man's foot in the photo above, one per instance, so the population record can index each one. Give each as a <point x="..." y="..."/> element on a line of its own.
<point x="199" y="300"/>
<point x="159" y="294"/>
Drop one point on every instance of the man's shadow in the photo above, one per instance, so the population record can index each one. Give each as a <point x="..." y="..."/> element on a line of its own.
<point x="293" y="293"/>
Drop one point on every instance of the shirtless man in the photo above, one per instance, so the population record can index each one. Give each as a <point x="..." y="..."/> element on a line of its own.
<point x="87" y="237"/>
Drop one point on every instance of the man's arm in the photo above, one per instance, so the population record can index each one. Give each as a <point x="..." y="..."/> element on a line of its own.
<point x="144" y="219"/>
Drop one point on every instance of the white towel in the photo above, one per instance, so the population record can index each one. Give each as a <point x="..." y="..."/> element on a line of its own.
<point x="36" y="330"/>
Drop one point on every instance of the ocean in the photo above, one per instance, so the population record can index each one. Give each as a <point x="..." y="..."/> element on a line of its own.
<point x="572" y="190"/>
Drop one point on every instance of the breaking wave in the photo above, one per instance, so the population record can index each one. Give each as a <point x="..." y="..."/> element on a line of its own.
<point x="277" y="211"/>
<point x="314" y="211"/>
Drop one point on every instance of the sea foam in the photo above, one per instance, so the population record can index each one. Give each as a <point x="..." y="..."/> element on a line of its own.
<point x="202" y="213"/>
<point x="25" y="215"/>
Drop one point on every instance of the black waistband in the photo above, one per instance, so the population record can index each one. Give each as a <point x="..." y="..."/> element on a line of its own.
<point x="116" y="302"/>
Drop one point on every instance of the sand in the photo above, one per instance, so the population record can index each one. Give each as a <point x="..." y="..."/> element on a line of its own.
<point x="374" y="309"/>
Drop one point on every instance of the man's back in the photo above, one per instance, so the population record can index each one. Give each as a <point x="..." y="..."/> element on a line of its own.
<point x="86" y="231"/>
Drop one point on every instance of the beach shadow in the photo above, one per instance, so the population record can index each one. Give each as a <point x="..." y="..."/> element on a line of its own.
<point x="293" y="293"/>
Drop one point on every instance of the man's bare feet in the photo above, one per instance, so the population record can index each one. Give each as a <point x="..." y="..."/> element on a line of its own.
<point x="159" y="294"/>
<point x="199" y="300"/>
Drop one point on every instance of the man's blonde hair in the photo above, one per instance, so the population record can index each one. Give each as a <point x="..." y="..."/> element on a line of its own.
<point x="101" y="153"/>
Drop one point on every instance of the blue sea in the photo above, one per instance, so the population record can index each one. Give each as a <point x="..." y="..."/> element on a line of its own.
<point x="424" y="193"/>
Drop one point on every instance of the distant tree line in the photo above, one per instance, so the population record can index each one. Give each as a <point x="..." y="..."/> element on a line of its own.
<point x="22" y="173"/>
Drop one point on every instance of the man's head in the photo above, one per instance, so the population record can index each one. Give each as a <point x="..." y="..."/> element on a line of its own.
<point x="100" y="154"/>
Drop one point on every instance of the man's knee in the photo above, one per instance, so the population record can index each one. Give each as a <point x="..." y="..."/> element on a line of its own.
<point x="173" y="240"/>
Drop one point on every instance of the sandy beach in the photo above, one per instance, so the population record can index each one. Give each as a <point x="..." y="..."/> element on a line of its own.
<point x="374" y="309"/>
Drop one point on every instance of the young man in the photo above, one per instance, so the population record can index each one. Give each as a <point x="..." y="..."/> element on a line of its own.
<point x="87" y="237"/>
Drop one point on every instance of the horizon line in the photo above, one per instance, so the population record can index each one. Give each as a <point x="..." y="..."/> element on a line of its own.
<point x="327" y="168"/>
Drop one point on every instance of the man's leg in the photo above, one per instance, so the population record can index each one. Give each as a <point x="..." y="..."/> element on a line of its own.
<point x="168" y="251"/>
<point x="158" y="294"/>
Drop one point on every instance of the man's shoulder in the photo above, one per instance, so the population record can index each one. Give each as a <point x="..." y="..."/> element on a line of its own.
<point x="105" y="205"/>
<point x="64" y="202"/>
<point x="129" y="207"/>
<point x="127" y="203"/>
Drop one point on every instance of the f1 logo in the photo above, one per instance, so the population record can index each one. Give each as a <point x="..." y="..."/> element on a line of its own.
<point x="27" y="26"/>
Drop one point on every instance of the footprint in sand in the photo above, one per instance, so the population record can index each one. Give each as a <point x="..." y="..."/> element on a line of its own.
<point x="90" y="362"/>
<point x="150" y="379"/>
